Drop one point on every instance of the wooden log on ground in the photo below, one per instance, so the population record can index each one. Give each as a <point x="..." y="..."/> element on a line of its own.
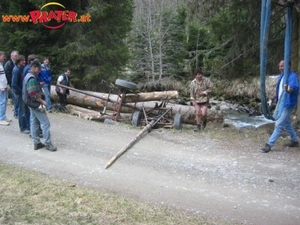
<point x="84" y="113"/>
<point x="188" y="112"/>
<point x="89" y="114"/>
<point x="130" y="97"/>
<point x="151" y="96"/>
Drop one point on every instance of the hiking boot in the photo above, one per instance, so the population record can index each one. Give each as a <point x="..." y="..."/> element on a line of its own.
<point x="51" y="147"/>
<point x="292" y="144"/>
<point x="25" y="131"/>
<point x="266" y="149"/>
<point x="38" y="146"/>
<point x="198" y="128"/>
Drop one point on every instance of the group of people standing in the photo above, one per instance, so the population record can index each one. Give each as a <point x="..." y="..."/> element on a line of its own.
<point x="30" y="85"/>
<point x="30" y="89"/>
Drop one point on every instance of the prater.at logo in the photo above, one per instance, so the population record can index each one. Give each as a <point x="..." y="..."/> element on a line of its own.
<point x="52" y="15"/>
<point x="59" y="16"/>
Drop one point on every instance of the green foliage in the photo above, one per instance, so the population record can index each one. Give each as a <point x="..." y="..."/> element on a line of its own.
<point x="151" y="40"/>
<point x="93" y="50"/>
<point x="234" y="32"/>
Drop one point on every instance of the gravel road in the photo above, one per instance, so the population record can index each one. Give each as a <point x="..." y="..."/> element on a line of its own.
<point x="219" y="172"/>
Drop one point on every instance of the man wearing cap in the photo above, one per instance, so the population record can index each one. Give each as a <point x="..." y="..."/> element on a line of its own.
<point x="33" y="96"/>
<point x="30" y="59"/>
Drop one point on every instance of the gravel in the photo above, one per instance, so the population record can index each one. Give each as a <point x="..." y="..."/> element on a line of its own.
<point x="219" y="172"/>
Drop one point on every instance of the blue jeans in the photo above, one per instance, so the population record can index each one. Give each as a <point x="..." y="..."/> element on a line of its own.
<point x="3" y="104"/>
<point x="36" y="118"/>
<point x="46" y="89"/>
<point x="284" y="122"/>
<point x="16" y="102"/>
<point x="23" y="114"/>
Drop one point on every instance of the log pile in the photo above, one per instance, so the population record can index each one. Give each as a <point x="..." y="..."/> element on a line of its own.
<point x="90" y="105"/>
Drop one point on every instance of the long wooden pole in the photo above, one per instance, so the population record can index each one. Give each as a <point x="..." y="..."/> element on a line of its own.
<point x="85" y="93"/>
<point x="134" y="140"/>
<point x="130" y="144"/>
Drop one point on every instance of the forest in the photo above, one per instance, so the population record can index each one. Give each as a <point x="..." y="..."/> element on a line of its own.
<point x="148" y="41"/>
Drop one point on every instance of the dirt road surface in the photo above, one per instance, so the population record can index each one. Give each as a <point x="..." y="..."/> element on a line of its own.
<point x="219" y="172"/>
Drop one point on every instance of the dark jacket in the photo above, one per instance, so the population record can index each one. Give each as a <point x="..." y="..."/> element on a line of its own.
<point x="8" y="67"/>
<point x="17" y="80"/>
<point x="65" y="82"/>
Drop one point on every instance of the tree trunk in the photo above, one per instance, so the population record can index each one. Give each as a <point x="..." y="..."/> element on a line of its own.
<point x="89" y="114"/>
<point x="142" y="101"/>
<point x="130" y="97"/>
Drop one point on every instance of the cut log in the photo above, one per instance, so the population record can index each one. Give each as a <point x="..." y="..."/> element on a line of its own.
<point x="151" y="96"/>
<point x="84" y="113"/>
<point x="97" y="103"/>
<point x="130" y="97"/>
<point x="89" y="114"/>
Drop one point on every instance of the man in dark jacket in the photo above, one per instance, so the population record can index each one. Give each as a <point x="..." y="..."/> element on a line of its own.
<point x="8" y="67"/>
<point x="62" y="92"/>
<point x="16" y="86"/>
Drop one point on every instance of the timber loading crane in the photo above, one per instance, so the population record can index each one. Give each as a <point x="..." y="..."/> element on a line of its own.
<point x="141" y="117"/>
<point x="159" y="113"/>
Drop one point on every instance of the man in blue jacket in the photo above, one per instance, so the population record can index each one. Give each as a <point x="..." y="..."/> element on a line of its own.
<point x="45" y="80"/>
<point x="290" y="102"/>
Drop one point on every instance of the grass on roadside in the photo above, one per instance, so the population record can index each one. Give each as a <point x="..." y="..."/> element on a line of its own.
<point x="28" y="197"/>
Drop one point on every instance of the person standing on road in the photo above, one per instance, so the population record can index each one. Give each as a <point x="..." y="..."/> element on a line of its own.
<point x="200" y="88"/>
<point x="3" y="92"/>
<point x="16" y="87"/>
<point x="31" y="58"/>
<point x="32" y="95"/>
<point x="63" y="79"/>
<point x="290" y="102"/>
<point x="8" y="67"/>
<point x="45" y="80"/>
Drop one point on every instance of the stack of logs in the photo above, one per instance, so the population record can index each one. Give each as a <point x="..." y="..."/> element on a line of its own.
<point x="99" y="106"/>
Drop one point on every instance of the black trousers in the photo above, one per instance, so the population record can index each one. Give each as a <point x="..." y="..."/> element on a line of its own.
<point x="62" y="99"/>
